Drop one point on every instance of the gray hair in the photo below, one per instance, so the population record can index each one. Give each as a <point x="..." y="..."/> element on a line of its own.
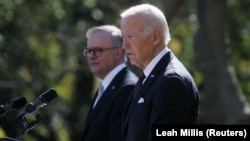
<point x="113" y="31"/>
<point x="153" y="16"/>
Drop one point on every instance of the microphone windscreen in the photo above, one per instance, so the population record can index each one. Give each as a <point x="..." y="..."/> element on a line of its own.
<point x="19" y="102"/>
<point x="48" y="96"/>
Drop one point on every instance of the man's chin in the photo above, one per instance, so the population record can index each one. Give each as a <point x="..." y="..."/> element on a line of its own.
<point x="135" y="64"/>
<point x="132" y="61"/>
<point x="95" y="71"/>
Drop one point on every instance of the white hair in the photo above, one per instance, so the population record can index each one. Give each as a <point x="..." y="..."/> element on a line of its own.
<point x="154" y="17"/>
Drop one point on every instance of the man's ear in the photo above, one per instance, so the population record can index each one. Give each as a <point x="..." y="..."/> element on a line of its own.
<point x="156" y="36"/>
<point x="119" y="51"/>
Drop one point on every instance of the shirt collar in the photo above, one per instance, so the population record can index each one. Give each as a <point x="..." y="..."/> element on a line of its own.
<point x="153" y="62"/>
<point x="110" y="76"/>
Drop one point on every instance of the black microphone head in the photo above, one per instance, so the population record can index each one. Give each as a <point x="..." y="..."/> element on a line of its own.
<point x="48" y="96"/>
<point x="19" y="102"/>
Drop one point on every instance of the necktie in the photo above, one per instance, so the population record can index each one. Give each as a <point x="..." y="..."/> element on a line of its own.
<point x="100" y="92"/>
<point x="138" y="84"/>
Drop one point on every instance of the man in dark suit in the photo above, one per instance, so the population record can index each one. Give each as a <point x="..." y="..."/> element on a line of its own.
<point x="106" y="59"/>
<point x="168" y="93"/>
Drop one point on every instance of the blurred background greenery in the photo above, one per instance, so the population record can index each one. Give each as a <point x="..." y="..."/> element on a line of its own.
<point x="41" y="43"/>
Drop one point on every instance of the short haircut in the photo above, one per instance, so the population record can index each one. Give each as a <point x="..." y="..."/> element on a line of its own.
<point x="113" y="31"/>
<point x="153" y="16"/>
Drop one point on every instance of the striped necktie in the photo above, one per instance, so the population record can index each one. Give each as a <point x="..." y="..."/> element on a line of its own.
<point x="139" y="84"/>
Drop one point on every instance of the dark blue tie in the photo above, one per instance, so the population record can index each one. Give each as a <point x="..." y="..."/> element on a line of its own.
<point x="138" y="85"/>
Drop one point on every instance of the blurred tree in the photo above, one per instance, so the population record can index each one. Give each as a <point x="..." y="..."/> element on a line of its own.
<point x="239" y="41"/>
<point x="222" y="100"/>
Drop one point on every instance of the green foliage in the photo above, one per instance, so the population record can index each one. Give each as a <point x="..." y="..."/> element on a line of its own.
<point x="182" y="30"/>
<point x="239" y="41"/>
<point x="40" y="48"/>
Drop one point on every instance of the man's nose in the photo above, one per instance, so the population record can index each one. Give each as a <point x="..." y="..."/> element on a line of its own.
<point x="125" y="44"/>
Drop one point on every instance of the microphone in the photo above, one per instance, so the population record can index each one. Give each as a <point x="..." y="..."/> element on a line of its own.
<point x="41" y="101"/>
<point x="11" y="105"/>
<point x="31" y="109"/>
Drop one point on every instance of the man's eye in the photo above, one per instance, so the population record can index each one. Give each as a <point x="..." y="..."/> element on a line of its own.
<point x="89" y="50"/>
<point x="98" y="49"/>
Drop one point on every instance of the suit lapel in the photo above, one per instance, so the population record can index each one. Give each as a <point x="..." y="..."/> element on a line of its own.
<point x="161" y="65"/>
<point x="109" y="92"/>
<point x="150" y="79"/>
<point x="107" y="95"/>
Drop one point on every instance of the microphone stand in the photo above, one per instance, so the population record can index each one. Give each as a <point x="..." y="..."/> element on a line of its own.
<point x="27" y="125"/>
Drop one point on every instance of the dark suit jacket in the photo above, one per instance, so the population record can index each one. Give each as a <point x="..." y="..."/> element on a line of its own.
<point x="104" y="122"/>
<point x="170" y="97"/>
